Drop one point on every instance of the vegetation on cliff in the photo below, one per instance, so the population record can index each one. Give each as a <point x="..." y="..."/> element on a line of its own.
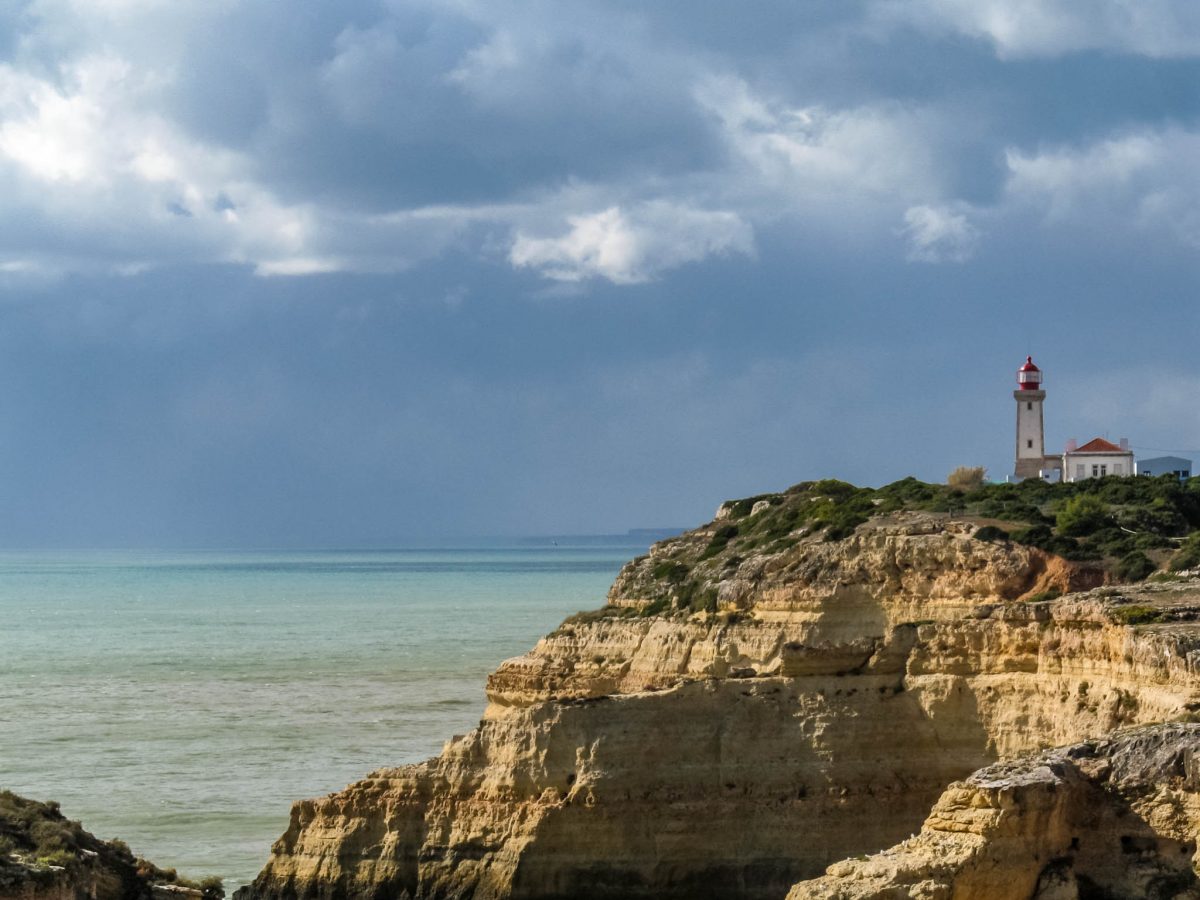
<point x="39" y="846"/>
<point x="1129" y="527"/>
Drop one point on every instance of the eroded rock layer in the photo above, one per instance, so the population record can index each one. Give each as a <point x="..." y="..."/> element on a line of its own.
<point x="814" y="711"/>
<point x="1116" y="817"/>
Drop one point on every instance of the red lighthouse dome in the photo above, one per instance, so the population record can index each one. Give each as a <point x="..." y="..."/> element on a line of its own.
<point x="1029" y="376"/>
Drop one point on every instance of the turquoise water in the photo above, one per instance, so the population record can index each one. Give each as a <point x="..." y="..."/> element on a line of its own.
<point x="182" y="701"/>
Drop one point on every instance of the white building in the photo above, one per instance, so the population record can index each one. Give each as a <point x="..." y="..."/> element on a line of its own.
<point x="1097" y="458"/>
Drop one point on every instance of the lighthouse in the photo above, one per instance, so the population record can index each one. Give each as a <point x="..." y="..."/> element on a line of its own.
<point x="1031" y="443"/>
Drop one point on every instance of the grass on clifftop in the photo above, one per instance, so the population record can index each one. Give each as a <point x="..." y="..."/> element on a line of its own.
<point x="1129" y="526"/>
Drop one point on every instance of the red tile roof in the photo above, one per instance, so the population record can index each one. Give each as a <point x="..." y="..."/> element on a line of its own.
<point x="1099" y="445"/>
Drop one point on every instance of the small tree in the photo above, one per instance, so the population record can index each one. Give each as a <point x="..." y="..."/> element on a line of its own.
<point x="1134" y="566"/>
<point x="966" y="478"/>
<point x="1082" y="515"/>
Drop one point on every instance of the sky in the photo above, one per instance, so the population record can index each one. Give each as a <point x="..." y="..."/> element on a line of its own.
<point x="352" y="274"/>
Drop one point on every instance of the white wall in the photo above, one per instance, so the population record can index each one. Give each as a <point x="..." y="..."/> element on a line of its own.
<point x="1112" y="461"/>
<point x="1029" y="427"/>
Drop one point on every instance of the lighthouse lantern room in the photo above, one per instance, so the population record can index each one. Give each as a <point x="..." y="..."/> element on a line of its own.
<point x="1029" y="376"/>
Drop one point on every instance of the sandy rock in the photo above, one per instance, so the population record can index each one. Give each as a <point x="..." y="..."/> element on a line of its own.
<point x="1111" y="818"/>
<point x="815" y="717"/>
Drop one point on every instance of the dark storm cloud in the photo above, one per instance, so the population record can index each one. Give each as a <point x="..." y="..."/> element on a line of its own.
<point x="351" y="273"/>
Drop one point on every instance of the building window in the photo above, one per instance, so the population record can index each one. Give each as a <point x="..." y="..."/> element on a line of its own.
<point x="1079" y="471"/>
<point x="1029" y="444"/>
<point x="1099" y="471"/>
<point x="1029" y="405"/>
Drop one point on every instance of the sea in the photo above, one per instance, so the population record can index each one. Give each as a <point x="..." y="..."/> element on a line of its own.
<point x="181" y="701"/>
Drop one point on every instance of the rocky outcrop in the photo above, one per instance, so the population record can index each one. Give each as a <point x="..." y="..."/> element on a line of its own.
<point x="1117" y="817"/>
<point x="739" y="718"/>
<point x="46" y="856"/>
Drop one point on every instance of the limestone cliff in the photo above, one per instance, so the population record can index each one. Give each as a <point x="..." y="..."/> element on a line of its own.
<point x="1116" y="817"/>
<point x="750" y="707"/>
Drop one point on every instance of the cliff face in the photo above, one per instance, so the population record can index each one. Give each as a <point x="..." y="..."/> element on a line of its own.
<point x="739" y="718"/>
<point x="1116" y="817"/>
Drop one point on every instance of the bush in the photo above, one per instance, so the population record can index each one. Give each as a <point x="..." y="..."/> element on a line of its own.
<point x="1034" y="535"/>
<point x="739" y="509"/>
<point x="991" y="534"/>
<point x="1044" y="538"/>
<point x="655" y="607"/>
<point x="720" y="540"/>
<point x="705" y="600"/>
<point x="1135" y="566"/>
<point x="1138" y="615"/>
<point x="63" y="858"/>
<point x="1082" y="515"/>
<point x="670" y="571"/>
<point x="1188" y="556"/>
<point x="1043" y="596"/>
<point x="966" y="478"/>
<point x="587" y="616"/>
<point x="212" y="888"/>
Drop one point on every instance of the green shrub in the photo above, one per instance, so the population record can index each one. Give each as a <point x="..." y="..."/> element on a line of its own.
<point x="61" y="857"/>
<point x="741" y="508"/>
<point x="586" y="616"/>
<point x="705" y="600"/>
<point x="1135" y="566"/>
<point x="991" y="533"/>
<point x="212" y="888"/>
<point x="1043" y="596"/>
<point x="1034" y="535"/>
<point x="1188" y="556"/>
<point x="1082" y="515"/>
<point x="1167" y="578"/>
<point x="1138" y="615"/>
<point x="670" y="571"/>
<point x="719" y="541"/>
<point x="1148" y="540"/>
<point x="655" y="607"/>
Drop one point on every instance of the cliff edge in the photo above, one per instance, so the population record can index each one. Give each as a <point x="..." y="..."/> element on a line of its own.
<point x="794" y="684"/>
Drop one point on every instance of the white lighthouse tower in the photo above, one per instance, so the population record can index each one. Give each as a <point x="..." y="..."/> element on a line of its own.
<point x="1031" y="443"/>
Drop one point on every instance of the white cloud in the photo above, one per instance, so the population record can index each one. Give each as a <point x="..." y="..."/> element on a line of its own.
<point x="938" y="234"/>
<point x="1148" y="180"/>
<point x="1024" y="28"/>
<point x="601" y="151"/>
<point x="821" y="156"/>
<point x="86" y="159"/>
<point x="627" y="248"/>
